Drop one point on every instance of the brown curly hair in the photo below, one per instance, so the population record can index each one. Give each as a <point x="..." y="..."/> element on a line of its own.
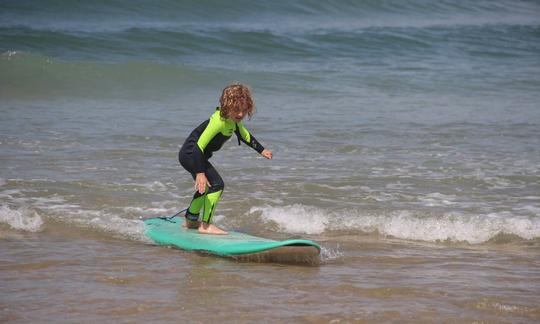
<point x="236" y="97"/>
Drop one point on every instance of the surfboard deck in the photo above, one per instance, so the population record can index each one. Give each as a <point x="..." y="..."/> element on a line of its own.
<point x="240" y="246"/>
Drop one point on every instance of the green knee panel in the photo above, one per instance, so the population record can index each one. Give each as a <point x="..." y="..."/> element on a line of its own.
<point x="196" y="205"/>
<point x="210" y="202"/>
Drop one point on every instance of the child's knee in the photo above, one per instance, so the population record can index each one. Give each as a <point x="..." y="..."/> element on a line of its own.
<point x="217" y="186"/>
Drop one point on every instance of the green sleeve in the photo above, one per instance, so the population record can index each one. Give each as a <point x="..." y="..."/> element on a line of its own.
<point x="244" y="135"/>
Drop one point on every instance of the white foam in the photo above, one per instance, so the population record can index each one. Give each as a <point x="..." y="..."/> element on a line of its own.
<point x="21" y="219"/>
<point x="296" y="218"/>
<point x="329" y="254"/>
<point x="532" y="209"/>
<point x="437" y="199"/>
<point x="9" y="193"/>
<point x="154" y="186"/>
<point x="28" y="220"/>
<point x="20" y="214"/>
<point x="343" y="188"/>
<point x="130" y="228"/>
<point x="149" y="212"/>
<point x="398" y="185"/>
<point x="107" y="222"/>
<point x="454" y="227"/>
<point x="406" y="225"/>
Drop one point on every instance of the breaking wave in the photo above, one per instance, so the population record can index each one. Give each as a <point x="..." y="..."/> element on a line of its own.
<point x="452" y="227"/>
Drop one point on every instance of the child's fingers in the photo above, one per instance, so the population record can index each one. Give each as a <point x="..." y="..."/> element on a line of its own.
<point x="200" y="185"/>
<point x="267" y="154"/>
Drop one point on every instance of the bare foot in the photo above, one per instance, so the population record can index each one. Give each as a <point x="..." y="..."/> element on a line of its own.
<point x="191" y="224"/>
<point x="211" y="229"/>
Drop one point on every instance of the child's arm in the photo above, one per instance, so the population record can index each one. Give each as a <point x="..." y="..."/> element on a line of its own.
<point x="243" y="135"/>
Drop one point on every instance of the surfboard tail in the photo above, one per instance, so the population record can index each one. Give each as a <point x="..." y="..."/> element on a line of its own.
<point x="302" y="255"/>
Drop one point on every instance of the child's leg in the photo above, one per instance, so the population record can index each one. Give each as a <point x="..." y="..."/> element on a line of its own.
<point x="202" y="200"/>
<point x="211" y="199"/>
<point x="210" y="203"/>
<point x="192" y="213"/>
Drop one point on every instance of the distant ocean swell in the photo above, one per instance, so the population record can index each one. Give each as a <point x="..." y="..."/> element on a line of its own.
<point x="80" y="59"/>
<point x="215" y="10"/>
<point x="35" y="76"/>
<point x="180" y="43"/>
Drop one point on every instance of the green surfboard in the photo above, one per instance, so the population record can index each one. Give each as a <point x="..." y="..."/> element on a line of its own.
<point x="169" y="231"/>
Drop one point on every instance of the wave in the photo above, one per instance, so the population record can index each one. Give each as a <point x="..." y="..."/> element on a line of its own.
<point x="21" y="219"/>
<point x="30" y="76"/>
<point x="299" y="219"/>
<point x="182" y="31"/>
<point x="74" y="14"/>
<point x="349" y="50"/>
<point x="153" y="62"/>
<point x="523" y="223"/>
<point x="29" y="220"/>
<point x="408" y="225"/>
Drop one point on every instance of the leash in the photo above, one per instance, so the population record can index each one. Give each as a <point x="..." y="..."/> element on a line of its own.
<point x="169" y="218"/>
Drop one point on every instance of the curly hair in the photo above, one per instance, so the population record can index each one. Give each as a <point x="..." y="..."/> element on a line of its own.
<point x="234" y="98"/>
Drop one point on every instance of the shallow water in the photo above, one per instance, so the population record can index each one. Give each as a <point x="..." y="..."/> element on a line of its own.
<point x="405" y="137"/>
<point x="62" y="275"/>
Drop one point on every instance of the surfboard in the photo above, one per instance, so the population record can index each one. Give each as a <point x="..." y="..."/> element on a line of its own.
<point x="240" y="246"/>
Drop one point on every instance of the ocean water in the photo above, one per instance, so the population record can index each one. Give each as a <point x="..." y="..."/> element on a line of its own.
<point x="406" y="140"/>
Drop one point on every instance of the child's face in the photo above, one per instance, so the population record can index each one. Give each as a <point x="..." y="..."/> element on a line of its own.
<point x="238" y="115"/>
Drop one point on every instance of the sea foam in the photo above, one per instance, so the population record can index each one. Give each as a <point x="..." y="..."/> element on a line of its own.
<point x="21" y="219"/>
<point x="295" y="218"/>
<point x="409" y="225"/>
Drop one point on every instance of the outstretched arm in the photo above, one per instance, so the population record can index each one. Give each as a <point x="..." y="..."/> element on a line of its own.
<point x="244" y="136"/>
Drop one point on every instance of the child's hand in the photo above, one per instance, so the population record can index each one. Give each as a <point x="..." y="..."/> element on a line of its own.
<point x="201" y="182"/>
<point x="267" y="154"/>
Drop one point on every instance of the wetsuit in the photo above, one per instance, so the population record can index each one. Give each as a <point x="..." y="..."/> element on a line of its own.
<point x="207" y="138"/>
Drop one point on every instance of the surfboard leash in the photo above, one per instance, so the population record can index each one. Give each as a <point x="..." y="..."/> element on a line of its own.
<point x="165" y="218"/>
<point x="169" y="219"/>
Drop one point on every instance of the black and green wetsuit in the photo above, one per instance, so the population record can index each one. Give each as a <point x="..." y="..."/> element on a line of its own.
<point x="204" y="140"/>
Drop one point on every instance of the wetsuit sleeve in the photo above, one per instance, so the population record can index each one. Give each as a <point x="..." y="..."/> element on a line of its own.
<point x="211" y="130"/>
<point x="244" y="136"/>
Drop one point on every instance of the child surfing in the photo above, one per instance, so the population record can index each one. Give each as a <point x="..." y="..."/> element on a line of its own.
<point x="236" y="103"/>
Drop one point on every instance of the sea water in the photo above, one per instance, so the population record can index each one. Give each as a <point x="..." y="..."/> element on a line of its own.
<point x="405" y="134"/>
